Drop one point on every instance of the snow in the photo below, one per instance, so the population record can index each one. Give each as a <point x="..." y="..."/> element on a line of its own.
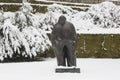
<point x="21" y="34"/>
<point x="55" y="2"/>
<point x="91" y="69"/>
<point x="24" y="29"/>
<point x="33" y="34"/>
<point x="100" y="31"/>
<point x="113" y="0"/>
<point x="101" y="18"/>
<point x="105" y="15"/>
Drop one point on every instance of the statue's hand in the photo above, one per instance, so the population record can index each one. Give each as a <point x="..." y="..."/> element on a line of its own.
<point x="59" y="39"/>
<point x="56" y="42"/>
<point x="74" y="43"/>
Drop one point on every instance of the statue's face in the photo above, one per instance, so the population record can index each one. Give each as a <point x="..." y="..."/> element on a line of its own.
<point x="62" y="20"/>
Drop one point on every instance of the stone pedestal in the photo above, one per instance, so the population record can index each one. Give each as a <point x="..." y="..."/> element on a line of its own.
<point x="67" y="70"/>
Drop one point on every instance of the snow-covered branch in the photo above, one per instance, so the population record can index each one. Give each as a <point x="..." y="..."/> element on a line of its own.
<point x="21" y="34"/>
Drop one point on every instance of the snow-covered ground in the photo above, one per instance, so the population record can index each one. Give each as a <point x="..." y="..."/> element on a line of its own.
<point x="91" y="69"/>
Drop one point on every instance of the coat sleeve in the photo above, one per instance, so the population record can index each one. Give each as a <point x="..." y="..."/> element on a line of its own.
<point x="74" y="34"/>
<point x="53" y="36"/>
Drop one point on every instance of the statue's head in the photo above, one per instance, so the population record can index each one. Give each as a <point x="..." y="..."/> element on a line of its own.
<point x="62" y="20"/>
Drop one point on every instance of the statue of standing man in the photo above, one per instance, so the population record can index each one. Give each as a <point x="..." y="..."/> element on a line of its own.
<point x="64" y="40"/>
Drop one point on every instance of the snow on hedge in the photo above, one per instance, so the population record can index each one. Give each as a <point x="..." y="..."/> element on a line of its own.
<point x="24" y="33"/>
<point x="105" y="15"/>
<point x="99" y="16"/>
<point x="21" y="34"/>
<point x="54" y="11"/>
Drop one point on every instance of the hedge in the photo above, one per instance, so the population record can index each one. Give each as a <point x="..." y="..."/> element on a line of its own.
<point x="95" y="46"/>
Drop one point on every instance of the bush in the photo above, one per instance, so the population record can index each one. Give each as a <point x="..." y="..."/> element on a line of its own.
<point x="96" y="46"/>
<point x="11" y="1"/>
<point x="21" y="34"/>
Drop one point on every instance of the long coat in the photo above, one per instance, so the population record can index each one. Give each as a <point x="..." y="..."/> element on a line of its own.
<point x="64" y="42"/>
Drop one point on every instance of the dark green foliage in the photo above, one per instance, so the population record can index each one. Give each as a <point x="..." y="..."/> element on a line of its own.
<point x="11" y="1"/>
<point x="36" y="8"/>
<point x="82" y="1"/>
<point x="40" y="2"/>
<point x="97" y="46"/>
<point x="88" y="1"/>
<point x="41" y="9"/>
<point x="50" y="53"/>
<point x="12" y="8"/>
<point x="20" y="58"/>
<point x="79" y="9"/>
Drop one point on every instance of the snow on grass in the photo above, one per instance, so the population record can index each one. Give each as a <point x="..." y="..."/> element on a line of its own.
<point x="91" y="69"/>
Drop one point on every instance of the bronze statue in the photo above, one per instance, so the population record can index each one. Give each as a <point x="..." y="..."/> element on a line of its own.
<point x="64" y="39"/>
